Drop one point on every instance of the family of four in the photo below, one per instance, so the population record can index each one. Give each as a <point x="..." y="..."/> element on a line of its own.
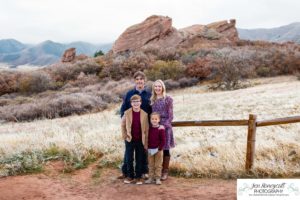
<point x="147" y="132"/>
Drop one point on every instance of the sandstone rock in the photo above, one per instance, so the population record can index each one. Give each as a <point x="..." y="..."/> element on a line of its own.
<point x="158" y="31"/>
<point x="69" y="55"/>
<point x="226" y="28"/>
<point x="138" y="35"/>
<point x="81" y="57"/>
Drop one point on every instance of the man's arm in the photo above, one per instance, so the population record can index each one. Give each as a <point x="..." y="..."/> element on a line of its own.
<point x="124" y="104"/>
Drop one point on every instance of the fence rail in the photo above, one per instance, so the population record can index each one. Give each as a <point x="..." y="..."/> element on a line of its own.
<point x="252" y="124"/>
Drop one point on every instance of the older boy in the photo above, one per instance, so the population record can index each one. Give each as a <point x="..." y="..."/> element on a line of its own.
<point x="135" y="127"/>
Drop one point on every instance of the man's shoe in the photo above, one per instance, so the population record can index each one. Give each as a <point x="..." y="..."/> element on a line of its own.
<point x="121" y="176"/>
<point x="128" y="180"/>
<point x="139" y="181"/>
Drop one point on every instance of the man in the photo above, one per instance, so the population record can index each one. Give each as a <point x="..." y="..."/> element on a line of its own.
<point x="145" y="93"/>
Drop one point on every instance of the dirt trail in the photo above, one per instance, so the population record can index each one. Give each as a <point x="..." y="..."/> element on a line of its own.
<point x="80" y="185"/>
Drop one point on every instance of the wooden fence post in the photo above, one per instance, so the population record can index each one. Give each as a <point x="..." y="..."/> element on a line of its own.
<point x="251" y="142"/>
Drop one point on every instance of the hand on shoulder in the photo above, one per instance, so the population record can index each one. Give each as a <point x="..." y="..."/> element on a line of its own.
<point x="161" y="127"/>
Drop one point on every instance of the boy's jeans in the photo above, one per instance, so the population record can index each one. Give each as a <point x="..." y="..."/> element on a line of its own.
<point x="145" y="169"/>
<point x="137" y="148"/>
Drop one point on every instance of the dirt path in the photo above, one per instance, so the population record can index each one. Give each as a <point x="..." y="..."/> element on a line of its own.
<point x="81" y="185"/>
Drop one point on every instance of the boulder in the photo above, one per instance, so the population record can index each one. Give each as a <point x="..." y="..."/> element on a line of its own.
<point x="69" y="55"/>
<point x="158" y="31"/>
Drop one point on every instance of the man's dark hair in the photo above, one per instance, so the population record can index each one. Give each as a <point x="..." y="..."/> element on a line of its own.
<point x="139" y="73"/>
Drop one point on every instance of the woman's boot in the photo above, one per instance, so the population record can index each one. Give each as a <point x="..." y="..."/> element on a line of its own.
<point x="165" y="168"/>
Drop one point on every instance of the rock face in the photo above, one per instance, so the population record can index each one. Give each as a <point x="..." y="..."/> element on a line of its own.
<point x="136" y="36"/>
<point x="158" y="31"/>
<point x="69" y="55"/>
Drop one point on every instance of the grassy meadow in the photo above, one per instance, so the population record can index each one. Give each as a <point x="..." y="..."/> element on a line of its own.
<point x="199" y="152"/>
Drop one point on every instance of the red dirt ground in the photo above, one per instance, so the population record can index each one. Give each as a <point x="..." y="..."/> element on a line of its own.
<point x="54" y="185"/>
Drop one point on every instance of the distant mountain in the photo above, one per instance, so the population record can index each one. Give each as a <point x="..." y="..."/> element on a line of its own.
<point x="48" y="52"/>
<point x="11" y="46"/>
<point x="286" y="33"/>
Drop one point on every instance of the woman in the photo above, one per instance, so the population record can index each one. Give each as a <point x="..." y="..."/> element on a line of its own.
<point x="163" y="104"/>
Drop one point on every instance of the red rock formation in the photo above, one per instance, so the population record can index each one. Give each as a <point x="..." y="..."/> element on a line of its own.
<point x="226" y="28"/>
<point x="158" y="31"/>
<point x="138" y="35"/>
<point x="69" y="55"/>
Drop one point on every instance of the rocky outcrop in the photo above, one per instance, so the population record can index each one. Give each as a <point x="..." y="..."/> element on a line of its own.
<point x="158" y="31"/>
<point x="136" y="36"/>
<point x="226" y="28"/>
<point x="69" y="55"/>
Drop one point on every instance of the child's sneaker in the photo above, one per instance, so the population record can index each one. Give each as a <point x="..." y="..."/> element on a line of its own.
<point x="128" y="180"/>
<point x="157" y="181"/>
<point x="149" y="181"/>
<point x="139" y="181"/>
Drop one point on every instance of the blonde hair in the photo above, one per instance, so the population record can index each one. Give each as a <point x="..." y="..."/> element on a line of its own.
<point x="135" y="97"/>
<point x="155" y="114"/>
<point x="153" y="97"/>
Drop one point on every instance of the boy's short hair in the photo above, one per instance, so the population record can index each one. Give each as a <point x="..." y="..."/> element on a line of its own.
<point x="155" y="113"/>
<point x="139" y="73"/>
<point x="135" y="98"/>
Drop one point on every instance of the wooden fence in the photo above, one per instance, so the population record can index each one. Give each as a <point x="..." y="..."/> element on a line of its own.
<point x="252" y="124"/>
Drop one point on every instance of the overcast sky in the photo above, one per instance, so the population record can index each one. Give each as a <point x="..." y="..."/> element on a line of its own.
<point x="102" y="21"/>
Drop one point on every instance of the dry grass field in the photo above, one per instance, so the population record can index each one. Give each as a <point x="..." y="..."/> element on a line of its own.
<point x="199" y="151"/>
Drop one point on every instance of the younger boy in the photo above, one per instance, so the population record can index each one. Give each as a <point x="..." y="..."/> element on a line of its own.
<point x="156" y="142"/>
<point x="135" y="127"/>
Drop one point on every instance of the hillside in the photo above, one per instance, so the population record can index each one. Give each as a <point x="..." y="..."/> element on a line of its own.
<point x="48" y="52"/>
<point x="285" y="33"/>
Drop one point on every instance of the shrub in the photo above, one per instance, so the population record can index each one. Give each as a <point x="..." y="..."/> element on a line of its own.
<point x="69" y="71"/>
<point x="165" y="70"/>
<point x="229" y="70"/>
<point x="187" y="82"/>
<point x="84" y="80"/>
<point x="263" y="71"/>
<point x="125" y="65"/>
<point x="34" y="82"/>
<point x="98" y="53"/>
<point x="8" y="82"/>
<point x="59" y="105"/>
<point x="171" y="84"/>
<point x="168" y="54"/>
<point x="200" y="68"/>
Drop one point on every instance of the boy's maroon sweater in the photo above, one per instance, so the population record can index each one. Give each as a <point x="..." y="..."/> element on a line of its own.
<point x="156" y="138"/>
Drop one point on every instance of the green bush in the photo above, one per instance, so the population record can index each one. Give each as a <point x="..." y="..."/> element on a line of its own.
<point x="98" y="53"/>
<point x="166" y="70"/>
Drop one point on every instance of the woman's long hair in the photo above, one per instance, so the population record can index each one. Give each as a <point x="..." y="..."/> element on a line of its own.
<point x="153" y="97"/>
